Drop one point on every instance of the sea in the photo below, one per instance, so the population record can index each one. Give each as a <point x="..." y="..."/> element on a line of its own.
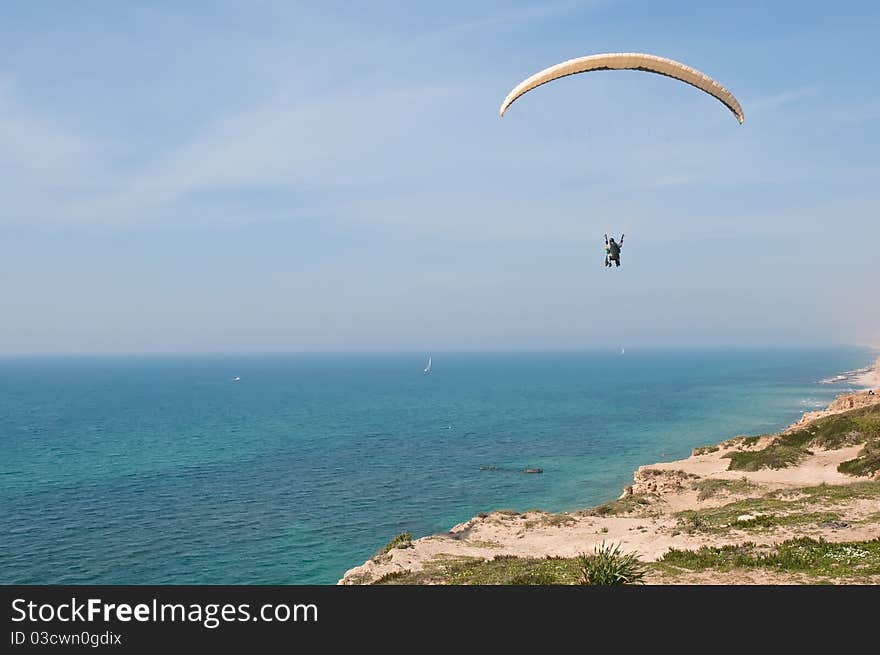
<point x="291" y="469"/>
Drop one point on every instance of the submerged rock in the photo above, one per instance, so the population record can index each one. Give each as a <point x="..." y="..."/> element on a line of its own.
<point x="533" y="471"/>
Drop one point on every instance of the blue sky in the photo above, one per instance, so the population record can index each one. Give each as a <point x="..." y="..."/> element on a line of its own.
<point x="283" y="176"/>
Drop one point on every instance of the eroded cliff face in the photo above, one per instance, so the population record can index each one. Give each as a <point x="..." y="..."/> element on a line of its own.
<point x="853" y="401"/>
<point x="659" y="482"/>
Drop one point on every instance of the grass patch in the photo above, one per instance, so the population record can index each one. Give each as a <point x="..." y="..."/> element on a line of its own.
<point x="774" y="456"/>
<point x="796" y="439"/>
<point x="359" y="579"/>
<point x="403" y="540"/>
<point x="499" y="570"/>
<point x="625" y="505"/>
<point x="706" y="557"/>
<point x="816" y="558"/>
<point x="833" y="492"/>
<point x="712" y="487"/>
<point x="774" y="520"/>
<point x="550" y="520"/>
<point x="691" y="522"/>
<point x="867" y="462"/>
<point x="743" y="440"/>
<point x="395" y="577"/>
<point x="776" y="509"/>
<point x="605" y="566"/>
<point x="715" y="519"/>
<point x="652" y="472"/>
<point x="478" y="543"/>
<point x="824" y="558"/>
<point x="846" y="429"/>
<point x="668" y="472"/>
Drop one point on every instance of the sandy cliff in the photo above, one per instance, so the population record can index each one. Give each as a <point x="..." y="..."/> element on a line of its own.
<point x="685" y="504"/>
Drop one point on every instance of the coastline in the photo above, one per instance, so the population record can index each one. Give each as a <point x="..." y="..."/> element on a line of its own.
<point x="867" y="377"/>
<point x="870" y="378"/>
<point x="696" y="502"/>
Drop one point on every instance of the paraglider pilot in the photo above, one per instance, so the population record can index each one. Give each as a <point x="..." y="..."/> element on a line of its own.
<point x="612" y="250"/>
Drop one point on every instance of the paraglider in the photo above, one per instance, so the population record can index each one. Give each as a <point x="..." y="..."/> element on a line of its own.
<point x="628" y="61"/>
<point x="612" y="251"/>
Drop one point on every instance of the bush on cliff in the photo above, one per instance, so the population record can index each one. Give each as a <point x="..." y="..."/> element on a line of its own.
<point x="403" y="540"/>
<point x="607" y="566"/>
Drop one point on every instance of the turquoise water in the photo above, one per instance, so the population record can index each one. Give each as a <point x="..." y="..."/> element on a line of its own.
<point x="166" y="470"/>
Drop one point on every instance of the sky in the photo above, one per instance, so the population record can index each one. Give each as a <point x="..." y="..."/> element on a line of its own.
<point x="282" y="176"/>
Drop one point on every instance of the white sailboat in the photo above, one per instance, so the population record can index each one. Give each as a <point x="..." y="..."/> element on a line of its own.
<point x="428" y="367"/>
<point x="622" y="351"/>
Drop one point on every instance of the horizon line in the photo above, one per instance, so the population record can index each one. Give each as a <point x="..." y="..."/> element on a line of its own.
<point x="431" y="351"/>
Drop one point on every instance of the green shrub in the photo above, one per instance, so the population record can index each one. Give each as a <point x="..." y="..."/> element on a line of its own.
<point x="607" y="566"/>
<point x="847" y="429"/>
<point x="623" y="505"/>
<point x="691" y="521"/>
<point x="852" y="427"/>
<point x="867" y="462"/>
<point x="775" y="456"/>
<point x="403" y="540"/>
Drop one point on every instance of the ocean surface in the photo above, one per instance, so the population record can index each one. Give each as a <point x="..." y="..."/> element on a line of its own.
<point x="168" y="470"/>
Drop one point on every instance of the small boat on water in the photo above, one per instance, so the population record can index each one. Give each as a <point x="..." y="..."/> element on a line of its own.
<point x="428" y="367"/>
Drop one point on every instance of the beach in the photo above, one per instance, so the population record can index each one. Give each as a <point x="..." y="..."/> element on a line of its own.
<point x="870" y="378"/>
<point x="816" y="480"/>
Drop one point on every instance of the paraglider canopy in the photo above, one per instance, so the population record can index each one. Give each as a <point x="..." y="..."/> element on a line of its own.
<point x="628" y="61"/>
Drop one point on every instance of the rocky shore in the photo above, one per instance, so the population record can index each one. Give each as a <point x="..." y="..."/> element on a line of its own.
<point x="814" y="484"/>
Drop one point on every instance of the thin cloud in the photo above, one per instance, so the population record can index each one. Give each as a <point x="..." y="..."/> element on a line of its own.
<point x="779" y="100"/>
<point x="530" y="13"/>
